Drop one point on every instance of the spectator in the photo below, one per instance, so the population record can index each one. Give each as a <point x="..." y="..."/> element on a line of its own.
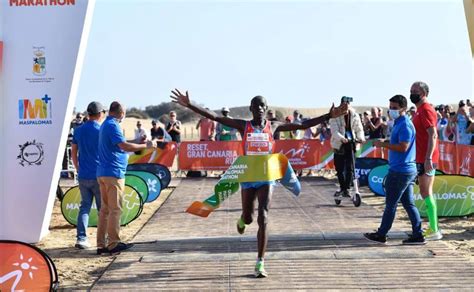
<point x="140" y="133"/>
<point x="443" y="127"/>
<point x="113" y="159"/>
<point x="365" y="123"/>
<point x="347" y="131"/>
<point x="462" y="120"/>
<point x="324" y="132"/>
<point x="158" y="133"/>
<point x="427" y="153"/>
<point x="207" y="129"/>
<point x="297" y="119"/>
<point x="287" y="135"/>
<point x="374" y="124"/>
<point x="274" y="123"/>
<point x="174" y="127"/>
<point x="412" y="112"/>
<point x="77" y="122"/>
<point x="85" y="157"/>
<point x="402" y="172"/>
<point x="223" y="132"/>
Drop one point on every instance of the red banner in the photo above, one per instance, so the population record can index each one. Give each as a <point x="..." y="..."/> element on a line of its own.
<point x="465" y="161"/>
<point x="448" y="157"/>
<point x="208" y="155"/>
<point x="211" y="155"/>
<point x="300" y="153"/>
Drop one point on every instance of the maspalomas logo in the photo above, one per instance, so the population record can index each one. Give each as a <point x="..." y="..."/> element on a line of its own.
<point x="42" y="2"/>
<point x="36" y="111"/>
<point x="31" y="153"/>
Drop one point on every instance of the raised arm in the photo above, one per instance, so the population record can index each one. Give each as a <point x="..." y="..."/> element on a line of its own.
<point x="334" y="112"/>
<point x="184" y="100"/>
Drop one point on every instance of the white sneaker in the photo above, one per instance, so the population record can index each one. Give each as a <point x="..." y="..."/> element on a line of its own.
<point x="83" y="244"/>
<point x="430" y="235"/>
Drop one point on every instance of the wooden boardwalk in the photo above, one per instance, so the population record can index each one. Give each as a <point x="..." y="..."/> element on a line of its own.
<point x="313" y="245"/>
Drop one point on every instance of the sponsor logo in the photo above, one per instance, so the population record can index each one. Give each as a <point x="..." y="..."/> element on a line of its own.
<point x="377" y="179"/>
<point x="39" y="61"/>
<point x="36" y="111"/>
<point x="31" y="153"/>
<point x="465" y="166"/>
<point x="39" y="67"/>
<point x="42" y="2"/>
<point x="297" y="156"/>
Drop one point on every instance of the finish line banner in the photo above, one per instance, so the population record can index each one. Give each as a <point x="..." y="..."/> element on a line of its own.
<point x="43" y="41"/>
<point x="253" y="168"/>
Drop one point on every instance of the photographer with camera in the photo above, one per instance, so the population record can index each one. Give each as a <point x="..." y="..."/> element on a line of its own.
<point x="347" y="131"/>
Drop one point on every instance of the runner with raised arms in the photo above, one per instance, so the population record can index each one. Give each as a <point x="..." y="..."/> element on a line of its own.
<point x="258" y="140"/>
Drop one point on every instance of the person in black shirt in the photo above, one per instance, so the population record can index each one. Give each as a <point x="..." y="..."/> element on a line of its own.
<point x="174" y="128"/>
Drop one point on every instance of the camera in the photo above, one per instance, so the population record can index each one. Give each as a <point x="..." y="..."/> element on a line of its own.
<point x="346" y="99"/>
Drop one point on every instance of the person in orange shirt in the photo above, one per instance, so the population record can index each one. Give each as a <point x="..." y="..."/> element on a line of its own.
<point x="207" y="129"/>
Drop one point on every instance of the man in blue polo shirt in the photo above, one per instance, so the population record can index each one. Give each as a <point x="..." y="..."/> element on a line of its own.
<point x="401" y="175"/>
<point x="85" y="157"/>
<point x="113" y="160"/>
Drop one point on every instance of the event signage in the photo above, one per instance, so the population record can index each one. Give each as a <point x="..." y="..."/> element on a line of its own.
<point x="251" y="168"/>
<point x="377" y="178"/>
<point x="153" y="183"/>
<point x="43" y="41"/>
<point x="24" y="267"/>
<point x="132" y="206"/>
<point x="164" y="154"/>
<point x="364" y="165"/>
<point x="454" y="195"/>
<point x="208" y="155"/>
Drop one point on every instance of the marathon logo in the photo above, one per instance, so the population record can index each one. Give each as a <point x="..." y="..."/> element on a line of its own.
<point x="42" y="2"/>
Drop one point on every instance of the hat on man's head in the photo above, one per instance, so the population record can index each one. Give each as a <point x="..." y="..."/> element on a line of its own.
<point x="225" y="109"/>
<point x="94" y="108"/>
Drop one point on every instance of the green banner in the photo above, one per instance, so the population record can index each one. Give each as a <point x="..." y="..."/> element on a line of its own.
<point x="138" y="184"/>
<point x="454" y="195"/>
<point x="131" y="208"/>
<point x="152" y="181"/>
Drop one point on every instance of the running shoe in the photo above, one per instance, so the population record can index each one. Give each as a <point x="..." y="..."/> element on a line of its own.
<point x="241" y="226"/>
<point x="346" y="194"/>
<point x="338" y="194"/>
<point x="260" y="270"/>
<point x="375" y="237"/>
<point x="431" y="235"/>
<point x="420" y="240"/>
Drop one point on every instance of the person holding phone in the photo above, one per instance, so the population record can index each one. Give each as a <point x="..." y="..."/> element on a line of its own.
<point x="347" y="132"/>
<point x="427" y="153"/>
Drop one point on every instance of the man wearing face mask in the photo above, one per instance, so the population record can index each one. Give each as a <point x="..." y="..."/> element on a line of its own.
<point x="113" y="160"/>
<point x="427" y="154"/>
<point x="402" y="172"/>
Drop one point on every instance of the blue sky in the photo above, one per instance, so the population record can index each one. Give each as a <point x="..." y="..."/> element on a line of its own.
<point x="295" y="53"/>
